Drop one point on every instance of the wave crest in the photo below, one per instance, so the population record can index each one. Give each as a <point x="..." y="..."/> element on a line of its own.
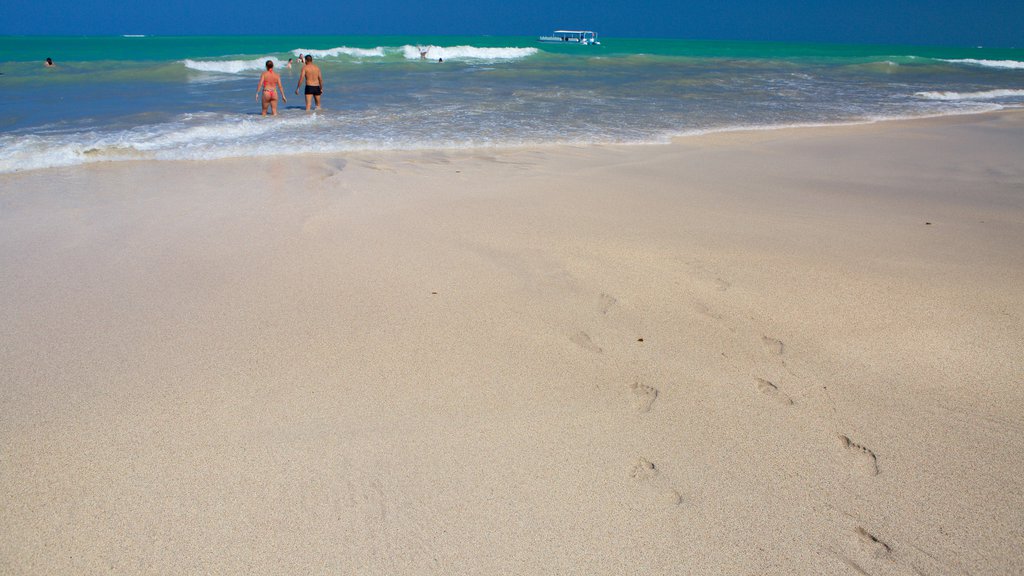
<point x="229" y="66"/>
<point x="989" y="63"/>
<point x="984" y="95"/>
<point x="467" y="52"/>
<point x="341" y="51"/>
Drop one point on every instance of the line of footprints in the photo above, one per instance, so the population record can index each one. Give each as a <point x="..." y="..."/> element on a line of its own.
<point x="644" y="396"/>
<point x="870" y="547"/>
<point x="646" y="473"/>
<point x="863" y="455"/>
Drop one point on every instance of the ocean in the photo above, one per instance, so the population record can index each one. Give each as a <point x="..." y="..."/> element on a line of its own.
<point x="170" y="98"/>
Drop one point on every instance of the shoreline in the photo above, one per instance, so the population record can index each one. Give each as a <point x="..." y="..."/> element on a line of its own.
<point x="671" y="140"/>
<point x="792" y="351"/>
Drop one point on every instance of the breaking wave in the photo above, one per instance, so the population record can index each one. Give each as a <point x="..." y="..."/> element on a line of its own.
<point x="985" y="95"/>
<point x="340" y="51"/>
<point x="229" y="66"/>
<point x="1013" y="64"/>
<point x="410" y="52"/>
<point x="466" y="52"/>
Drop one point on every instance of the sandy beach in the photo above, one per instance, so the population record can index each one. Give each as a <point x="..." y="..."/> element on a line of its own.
<point x="779" y="352"/>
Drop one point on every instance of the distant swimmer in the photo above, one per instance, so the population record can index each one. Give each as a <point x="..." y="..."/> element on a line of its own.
<point x="314" y="82"/>
<point x="266" y="91"/>
<point x="440" y="59"/>
<point x="289" y="64"/>
<point x="423" y="52"/>
<point x="49" y="63"/>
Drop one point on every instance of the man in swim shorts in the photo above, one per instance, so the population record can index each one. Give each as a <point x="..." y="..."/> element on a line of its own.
<point x="314" y="82"/>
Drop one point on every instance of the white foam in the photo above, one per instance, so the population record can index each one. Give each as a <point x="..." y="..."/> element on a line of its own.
<point x="190" y="137"/>
<point x="209" y="135"/>
<point x="204" y="134"/>
<point x="800" y="125"/>
<point x="466" y="53"/>
<point x="229" y="66"/>
<point x="989" y="63"/>
<point x="985" y="95"/>
<point x="341" y="50"/>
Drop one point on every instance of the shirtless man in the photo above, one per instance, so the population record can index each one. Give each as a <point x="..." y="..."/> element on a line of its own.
<point x="314" y="82"/>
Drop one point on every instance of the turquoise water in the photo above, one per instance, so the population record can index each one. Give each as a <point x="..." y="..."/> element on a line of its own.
<point x="115" y="98"/>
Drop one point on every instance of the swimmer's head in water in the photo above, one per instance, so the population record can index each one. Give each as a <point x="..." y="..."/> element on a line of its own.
<point x="49" y="61"/>
<point x="270" y="64"/>
<point x="309" y="59"/>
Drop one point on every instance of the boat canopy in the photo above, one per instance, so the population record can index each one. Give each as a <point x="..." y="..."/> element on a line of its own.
<point x="587" y="37"/>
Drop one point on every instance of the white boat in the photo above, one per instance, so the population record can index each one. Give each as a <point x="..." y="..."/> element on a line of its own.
<point x="571" y="37"/>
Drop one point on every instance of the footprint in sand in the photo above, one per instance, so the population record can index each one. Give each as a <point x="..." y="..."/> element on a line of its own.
<point x="703" y="308"/>
<point x="643" y="469"/>
<point x="772" y="391"/>
<point x="772" y="345"/>
<point x="643" y="396"/>
<point x="645" y="472"/>
<point x="605" y="302"/>
<point x="864" y="456"/>
<point x="870" y="544"/>
<point x="333" y="167"/>
<point x="671" y="496"/>
<point x="869" y="551"/>
<point x="376" y="165"/>
<point x="582" y="339"/>
<point x="706" y="275"/>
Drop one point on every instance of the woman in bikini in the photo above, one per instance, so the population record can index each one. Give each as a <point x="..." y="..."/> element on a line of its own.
<point x="266" y="92"/>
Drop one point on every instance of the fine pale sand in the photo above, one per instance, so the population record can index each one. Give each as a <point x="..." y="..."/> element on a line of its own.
<point x="788" y="352"/>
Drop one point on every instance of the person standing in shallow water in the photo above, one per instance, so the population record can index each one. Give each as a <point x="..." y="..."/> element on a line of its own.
<point x="314" y="82"/>
<point x="267" y="89"/>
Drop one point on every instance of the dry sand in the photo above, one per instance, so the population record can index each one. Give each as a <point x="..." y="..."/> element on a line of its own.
<point x="789" y="352"/>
